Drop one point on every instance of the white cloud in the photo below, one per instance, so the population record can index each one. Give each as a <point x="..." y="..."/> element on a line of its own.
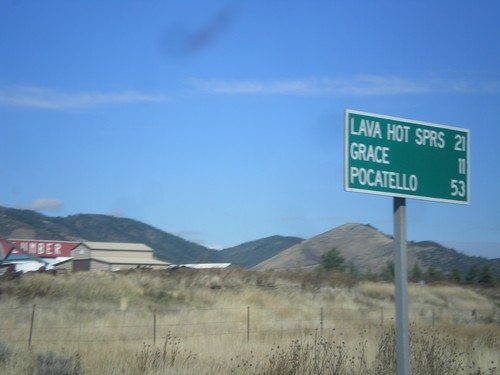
<point x="360" y="85"/>
<point x="255" y="87"/>
<point x="45" y="204"/>
<point x="35" y="97"/>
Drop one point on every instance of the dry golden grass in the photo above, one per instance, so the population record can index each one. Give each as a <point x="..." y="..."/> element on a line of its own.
<point x="231" y="321"/>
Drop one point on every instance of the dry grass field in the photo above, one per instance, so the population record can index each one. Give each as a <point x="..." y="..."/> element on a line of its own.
<point x="238" y="322"/>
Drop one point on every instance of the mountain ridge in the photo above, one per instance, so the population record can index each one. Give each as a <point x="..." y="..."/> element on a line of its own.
<point x="251" y="253"/>
<point x="27" y="224"/>
<point x="362" y="245"/>
<point x="15" y="223"/>
<point x="370" y="250"/>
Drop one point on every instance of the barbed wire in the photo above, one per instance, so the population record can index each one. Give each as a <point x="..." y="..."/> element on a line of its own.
<point x="255" y="321"/>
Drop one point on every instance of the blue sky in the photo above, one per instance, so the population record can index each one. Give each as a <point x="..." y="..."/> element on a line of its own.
<point x="222" y="121"/>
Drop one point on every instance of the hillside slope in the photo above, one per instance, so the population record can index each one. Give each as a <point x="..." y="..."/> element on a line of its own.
<point x="252" y="253"/>
<point x="369" y="250"/>
<point x="27" y="224"/>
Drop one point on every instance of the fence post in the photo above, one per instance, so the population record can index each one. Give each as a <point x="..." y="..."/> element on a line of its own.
<point x="80" y="320"/>
<point x="248" y="324"/>
<point x="31" y="326"/>
<point x="433" y="318"/>
<point x="154" y="327"/>
<point x="321" y="322"/>
<point x="382" y="317"/>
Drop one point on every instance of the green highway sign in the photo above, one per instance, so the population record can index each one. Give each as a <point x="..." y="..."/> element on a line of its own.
<point x="406" y="158"/>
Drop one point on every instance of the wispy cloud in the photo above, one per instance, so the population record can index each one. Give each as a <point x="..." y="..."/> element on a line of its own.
<point x="361" y="85"/>
<point x="36" y="97"/>
<point x="44" y="205"/>
<point x="308" y="87"/>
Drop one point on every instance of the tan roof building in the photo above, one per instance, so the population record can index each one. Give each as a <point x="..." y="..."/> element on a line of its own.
<point x="113" y="256"/>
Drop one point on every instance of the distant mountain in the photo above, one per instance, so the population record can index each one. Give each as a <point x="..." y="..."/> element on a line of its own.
<point x="167" y="247"/>
<point x="369" y="250"/>
<point x="429" y="253"/>
<point x="26" y="224"/>
<point x="366" y="247"/>
<point x="251" y="253"/>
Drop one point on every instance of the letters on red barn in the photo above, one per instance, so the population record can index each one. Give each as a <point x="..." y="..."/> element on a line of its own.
<point x="44" y="249"/>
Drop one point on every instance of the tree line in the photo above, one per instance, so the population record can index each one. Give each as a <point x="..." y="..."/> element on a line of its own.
<point x="476" y="275"/>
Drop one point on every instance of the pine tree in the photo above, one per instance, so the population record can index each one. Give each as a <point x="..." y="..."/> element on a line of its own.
<point x="472" y="275"/>
<point x="434" y="274"/>
<point x="332" y="260"/>
<point x="388" y="272"/>
<point x="416" y="273"/>
<point x="456" y="276"/>
<point x="485" y="277"/>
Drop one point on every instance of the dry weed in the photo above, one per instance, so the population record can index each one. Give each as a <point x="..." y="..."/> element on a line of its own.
<point x="108" y="319"/>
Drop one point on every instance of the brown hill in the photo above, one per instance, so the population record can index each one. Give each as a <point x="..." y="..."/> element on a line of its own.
<point x="370" y="250"/>
<point x="249" y="254"/>
<point x="362" y="245"/>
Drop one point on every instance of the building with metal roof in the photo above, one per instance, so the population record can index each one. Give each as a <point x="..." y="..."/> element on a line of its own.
<point x="204" y="266"/>
<point x="29" y="255"/>
<point x="114" y="256"/>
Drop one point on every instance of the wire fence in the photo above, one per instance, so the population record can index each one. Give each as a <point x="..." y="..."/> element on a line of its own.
<point x="37" y="324"/>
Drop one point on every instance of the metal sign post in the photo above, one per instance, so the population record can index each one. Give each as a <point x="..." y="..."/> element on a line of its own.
<point x="403" y="158"/>
<point x="401" y="281"/>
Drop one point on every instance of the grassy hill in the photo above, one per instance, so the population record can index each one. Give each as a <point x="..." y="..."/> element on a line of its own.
<point x="252" y="253"/>
<point x="27" y="224"/>
<point x="432" y="254"/>
<point x="15" y="223"/>
<point x="363" y="246"/>
<point x="370" y="250"/>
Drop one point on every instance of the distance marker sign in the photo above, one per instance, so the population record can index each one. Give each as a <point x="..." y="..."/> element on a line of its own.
<point x="405" y="158"/>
